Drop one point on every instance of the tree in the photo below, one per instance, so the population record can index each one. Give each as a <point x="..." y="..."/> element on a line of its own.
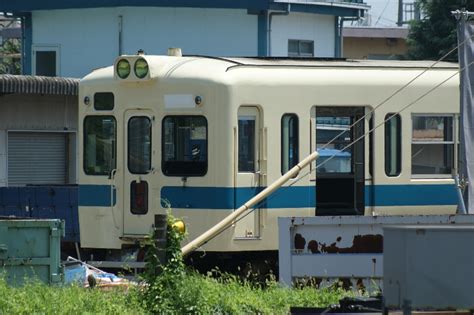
<point x="10" y="61"/>
<point x="435" y="34"/>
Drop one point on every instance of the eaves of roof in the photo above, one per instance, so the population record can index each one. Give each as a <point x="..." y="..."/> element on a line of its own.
<point x="26" y="84"/>
<point x="339" y="7"/>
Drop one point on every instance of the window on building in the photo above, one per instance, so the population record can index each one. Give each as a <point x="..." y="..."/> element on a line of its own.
<point x="139" y="145"/>
<point x="45" y="60"/>
<point x="300" y="48"/>
<point x="289" y="142"/>
<point x="99" y="145"/>
<point x="104" y="101"/>
<point x="432" y="148"/>
<point x="393" y="145"/>
<point x="184" y="146"/>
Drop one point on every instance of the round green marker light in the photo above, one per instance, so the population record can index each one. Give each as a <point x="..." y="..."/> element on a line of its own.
<point x="123" y="68"/>
<point x="141" y="68"/>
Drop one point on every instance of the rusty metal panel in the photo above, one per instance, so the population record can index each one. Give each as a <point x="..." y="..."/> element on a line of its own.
<point x="343" y="246"/>
<point x="429" y="267"/>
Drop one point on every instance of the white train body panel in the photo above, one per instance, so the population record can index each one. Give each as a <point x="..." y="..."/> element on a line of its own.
<point x="260" y="95"/>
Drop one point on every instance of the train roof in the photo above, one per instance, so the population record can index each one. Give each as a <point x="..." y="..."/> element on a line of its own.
<point x="220" y="69"/>
<point x="337" y="62"/>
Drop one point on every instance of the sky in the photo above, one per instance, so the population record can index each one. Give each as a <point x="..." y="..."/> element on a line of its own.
<point x="383" y="13"/>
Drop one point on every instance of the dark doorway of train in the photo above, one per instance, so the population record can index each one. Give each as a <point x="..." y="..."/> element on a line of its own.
<point x="340" y="175"/>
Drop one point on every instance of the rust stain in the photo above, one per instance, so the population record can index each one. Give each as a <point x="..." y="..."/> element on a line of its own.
<point x="313" y="247"/>
<point x="300" y="242"/>
<point x="370" y="243"/>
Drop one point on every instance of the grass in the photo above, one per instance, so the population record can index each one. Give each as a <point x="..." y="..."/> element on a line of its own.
<point x="170" y="294"/>
<point x="227" y="294"/>
<point x="34" y="298"/>
<point x="177" y="290"/>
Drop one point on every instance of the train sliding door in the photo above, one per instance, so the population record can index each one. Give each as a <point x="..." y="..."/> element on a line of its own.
<point x="340" y="176"/>
<point x="248" y="177"/>
<point x="137" y="185"/>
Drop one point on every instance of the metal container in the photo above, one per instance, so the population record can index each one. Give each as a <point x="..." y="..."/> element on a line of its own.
<point x="429" y="267"/>
<point x="31" y="250"/>
<point x="348" y="247"/>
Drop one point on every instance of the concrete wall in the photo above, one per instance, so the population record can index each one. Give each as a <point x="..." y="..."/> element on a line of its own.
<point x="363" y="48"/>
<point x="89" y="38"/>
<point x="30" y="112"/>
<point x="304" y="26"/>
<point x="86" y="39"/>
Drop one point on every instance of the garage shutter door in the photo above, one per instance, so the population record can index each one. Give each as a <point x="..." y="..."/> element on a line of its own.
<point x="36" y="158"/>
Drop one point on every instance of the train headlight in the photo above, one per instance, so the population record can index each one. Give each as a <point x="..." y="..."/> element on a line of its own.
<point x="141" y="68"/>
<point x="123" y="68"/>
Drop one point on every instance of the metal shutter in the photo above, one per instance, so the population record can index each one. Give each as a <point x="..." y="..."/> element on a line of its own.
<point x="36" y="158"/>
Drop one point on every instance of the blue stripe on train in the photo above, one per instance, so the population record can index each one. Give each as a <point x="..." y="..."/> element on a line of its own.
<point x="95" y="196"/>
<point x="411" y="195"/>
<point x="286" y="197"/>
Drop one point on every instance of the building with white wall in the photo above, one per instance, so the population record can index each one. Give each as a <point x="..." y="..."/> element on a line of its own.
<point x="38" y="125"/>
<point x="70" y="38"/>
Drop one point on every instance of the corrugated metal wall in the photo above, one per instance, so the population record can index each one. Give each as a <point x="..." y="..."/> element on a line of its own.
<point x="37" y="158"/>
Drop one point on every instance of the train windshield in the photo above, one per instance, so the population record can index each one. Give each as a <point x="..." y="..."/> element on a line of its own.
<point x="184" y="146"/>
<point x="99" y="145"/>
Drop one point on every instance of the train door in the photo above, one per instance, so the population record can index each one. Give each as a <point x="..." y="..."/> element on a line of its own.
<point x="137" y="186"/>
<point x="340" y="177"/>
<point x="248" y="177"/>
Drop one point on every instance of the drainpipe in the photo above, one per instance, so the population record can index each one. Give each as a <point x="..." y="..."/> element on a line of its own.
<point x="340" y="35"/>
<point x="270" y="16"/>
<point x="120" y="35"/>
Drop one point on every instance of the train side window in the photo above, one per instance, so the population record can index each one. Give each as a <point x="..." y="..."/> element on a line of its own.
<point x="393" y="145"/>
<point x="247" y="152"/>
<point x="104" y="101"/>
<point x="184" y="146"/>
<point x="289" y="142"/>
<point x="432" y="146"/>
<point x="100" y="133"/>
<point x="139" y="145"/>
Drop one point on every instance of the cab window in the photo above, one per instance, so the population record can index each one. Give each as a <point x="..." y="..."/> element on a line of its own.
<point x="100" y="134"/>
<point x="184" y="143"/>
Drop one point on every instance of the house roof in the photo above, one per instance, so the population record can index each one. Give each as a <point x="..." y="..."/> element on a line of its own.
<point x="27" y="84"/>
<point x="334" y="7"/>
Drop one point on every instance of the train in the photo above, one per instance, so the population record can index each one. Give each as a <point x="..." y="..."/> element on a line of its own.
<point x="201" y="135"/>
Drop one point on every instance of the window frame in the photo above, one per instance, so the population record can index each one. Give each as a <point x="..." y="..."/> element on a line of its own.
<point x="299" y="54"/>
<point x="46" y="48"/>
<point x="388" y="144"/>
<point x="150" y="145"/>
<point x="297" y="142"/>
<point x="163" y="161"/>
<point x="452" y="142"/>
<point x="114" y="152"/>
